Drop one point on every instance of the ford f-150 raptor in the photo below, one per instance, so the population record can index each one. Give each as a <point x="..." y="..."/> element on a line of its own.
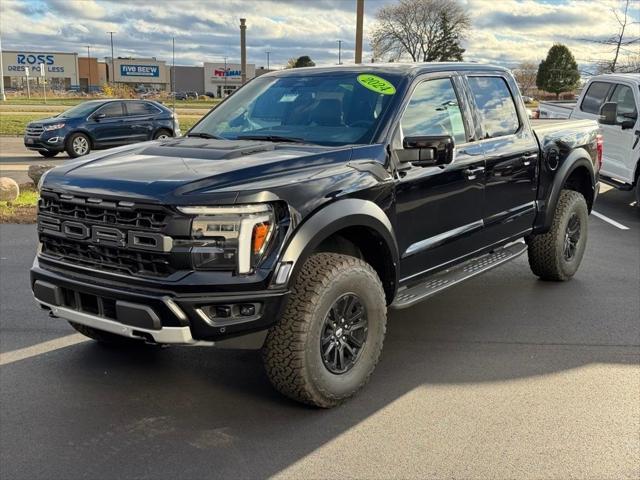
<point x="293" y="215"/>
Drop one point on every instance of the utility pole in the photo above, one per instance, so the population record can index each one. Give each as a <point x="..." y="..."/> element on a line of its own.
<point x="243" y="50"/>
<point x="26" y="74"/>
<point x="224" y="88"/>
<point x="268" y="53"/>
<point x="113" y="70"/>
<point x="339" y="52"/>
<point x="2" y="94"/>
<point x="89" y="62"/>
<point x="173" y="72"/>
<point x="359" y="19"/>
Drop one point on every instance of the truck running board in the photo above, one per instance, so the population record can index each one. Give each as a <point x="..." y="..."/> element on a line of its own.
<point x="447" y="278"/>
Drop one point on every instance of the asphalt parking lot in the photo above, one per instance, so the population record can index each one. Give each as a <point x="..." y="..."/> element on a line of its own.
<point x="504" y="376"/>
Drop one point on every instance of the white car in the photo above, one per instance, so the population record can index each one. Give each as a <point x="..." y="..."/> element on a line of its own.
<point x="621" y="131"/>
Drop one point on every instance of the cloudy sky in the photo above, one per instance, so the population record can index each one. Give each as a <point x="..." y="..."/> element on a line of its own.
<point x="505" y="32"/>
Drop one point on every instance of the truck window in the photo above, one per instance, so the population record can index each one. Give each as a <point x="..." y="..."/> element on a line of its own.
<point x="434" y="110"/>
<point x="623" y="97"/>
<point x="595" y="96"/>
<point x="496" y="106"/>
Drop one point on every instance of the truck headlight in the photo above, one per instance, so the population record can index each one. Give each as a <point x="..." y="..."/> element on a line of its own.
<point x="55" y="126"/>
<point x="232" y="237"/>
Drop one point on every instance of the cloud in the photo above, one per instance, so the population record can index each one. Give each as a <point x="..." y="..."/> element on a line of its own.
<point x="504" y="31"/>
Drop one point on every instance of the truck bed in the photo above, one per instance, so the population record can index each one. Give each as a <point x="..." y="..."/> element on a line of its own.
<point x="546" y="126"/>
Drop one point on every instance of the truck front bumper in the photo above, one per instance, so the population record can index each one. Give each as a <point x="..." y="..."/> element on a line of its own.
<point x="159" y="317"/>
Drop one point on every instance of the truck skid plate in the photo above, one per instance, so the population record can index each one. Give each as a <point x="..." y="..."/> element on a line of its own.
<point x="408" y="297"/>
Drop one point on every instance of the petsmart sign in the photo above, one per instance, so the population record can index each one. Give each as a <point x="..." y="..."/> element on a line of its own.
<point x="139" y="70"/>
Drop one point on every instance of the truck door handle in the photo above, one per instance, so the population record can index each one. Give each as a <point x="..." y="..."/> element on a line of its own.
<point x="472" y="172"/>
<point x="527" y="159"/>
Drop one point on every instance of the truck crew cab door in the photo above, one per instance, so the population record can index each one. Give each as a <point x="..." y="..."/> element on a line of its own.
<point x="438" y="208"/>
<point x="511" y="157"/>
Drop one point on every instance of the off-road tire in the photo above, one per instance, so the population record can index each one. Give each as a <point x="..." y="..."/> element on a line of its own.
<point x="47" y="153"/>
<point x="106" y="338"/>
<point x="292" y="352"/>
<point x="546" y="251"/>
<point x="69" y="145"/>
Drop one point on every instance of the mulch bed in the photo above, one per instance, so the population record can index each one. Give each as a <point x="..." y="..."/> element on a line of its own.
<point x="19" y="214"/>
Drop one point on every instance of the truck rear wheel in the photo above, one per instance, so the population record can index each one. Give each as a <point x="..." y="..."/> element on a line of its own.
<point x="106" y="338"/>
<point x="556" y="255"/>
<point x="328" y="342"/>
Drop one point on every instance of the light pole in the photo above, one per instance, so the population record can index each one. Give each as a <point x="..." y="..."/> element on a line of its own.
<point x="359" y="18"/>
<point x="339" y="52"/>
<point x="268" y="53"/>
<point x="113" y="70"/>
<point x="173" y="72"/>
<point x="89" y="62"/>
<point x="224" y="88"/>
<point x="2" y="94"/>
<point x="243" y="50"/>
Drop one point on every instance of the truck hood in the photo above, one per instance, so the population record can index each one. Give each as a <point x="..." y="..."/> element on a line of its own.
<point x="167" y="172"/>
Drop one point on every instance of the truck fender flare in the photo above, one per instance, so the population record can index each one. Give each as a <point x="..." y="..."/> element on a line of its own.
<point x="577" y="158"/>
<point x="334" y="217"/>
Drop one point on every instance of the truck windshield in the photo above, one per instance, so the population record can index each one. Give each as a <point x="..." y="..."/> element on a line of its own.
<point x="321" y="109"/>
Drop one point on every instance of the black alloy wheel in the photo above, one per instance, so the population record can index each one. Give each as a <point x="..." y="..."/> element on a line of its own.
<point x="571" y="237"/>
<point x="344" y="334"/>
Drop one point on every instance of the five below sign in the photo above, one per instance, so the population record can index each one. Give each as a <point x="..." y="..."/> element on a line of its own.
<point x="139" y="70"/>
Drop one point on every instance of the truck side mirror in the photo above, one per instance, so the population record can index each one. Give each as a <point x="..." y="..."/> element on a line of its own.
<point x="609" y="114"/>
<point x="426" y="151"/>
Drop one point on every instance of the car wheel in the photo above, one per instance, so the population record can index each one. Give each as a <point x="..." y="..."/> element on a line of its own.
<point x="328" y="342"/>
<point x="556" y="255"/>
<point x="78" y="145"/>
<point x="47" y="153"/>
<point x="162" y="134"/>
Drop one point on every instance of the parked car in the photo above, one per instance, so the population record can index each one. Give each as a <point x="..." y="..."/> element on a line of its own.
<point x="297" y="211"/>
<point x="186" y="95"/>
<point x="614" y="98"/>
<point x="98" y="124"/>
<point x="210" y="94"/>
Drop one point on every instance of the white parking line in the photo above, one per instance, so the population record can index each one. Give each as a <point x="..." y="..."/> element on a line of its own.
<point x="40" y="348"/>
<point x="609" y="220"/>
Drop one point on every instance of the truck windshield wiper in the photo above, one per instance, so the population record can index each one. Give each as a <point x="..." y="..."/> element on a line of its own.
<point x="204" y="135"/>
<point x="271" y="138"/>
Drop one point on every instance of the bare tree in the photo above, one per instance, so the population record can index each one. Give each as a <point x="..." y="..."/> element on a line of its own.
<point x="619" y="43"/>
<point x="424" y="30"/>
<point x="525" y="75"/>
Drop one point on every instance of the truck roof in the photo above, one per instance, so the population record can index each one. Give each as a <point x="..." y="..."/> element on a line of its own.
<point x="635" y="77"/>
<point x="397" y="68"/>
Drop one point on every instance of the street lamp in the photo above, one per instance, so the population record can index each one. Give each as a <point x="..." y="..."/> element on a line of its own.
<point x="268" y="53"/>
<point x="113" y="69"/>
<point x="339" y="52"/>
<point x="89" y="62"/>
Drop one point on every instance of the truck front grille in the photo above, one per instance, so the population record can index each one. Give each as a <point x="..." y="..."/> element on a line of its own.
<point x="95" y="233"/>
<point x="109" y="259"/>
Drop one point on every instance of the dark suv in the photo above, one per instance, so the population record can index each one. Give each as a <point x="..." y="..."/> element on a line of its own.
<point x="100" y="124"/>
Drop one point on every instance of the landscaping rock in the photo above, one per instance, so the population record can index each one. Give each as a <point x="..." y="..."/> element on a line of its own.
<point x="36" y="171"/>
<point x="9" y="189"/>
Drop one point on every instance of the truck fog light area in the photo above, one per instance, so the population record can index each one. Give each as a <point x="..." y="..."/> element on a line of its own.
<point x="228" y="313"/>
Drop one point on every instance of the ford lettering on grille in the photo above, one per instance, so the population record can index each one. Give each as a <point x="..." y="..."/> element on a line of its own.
<point x="107" y="236"/>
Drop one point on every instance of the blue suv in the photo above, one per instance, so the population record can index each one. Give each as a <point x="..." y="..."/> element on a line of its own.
<point x="98" y="124"/>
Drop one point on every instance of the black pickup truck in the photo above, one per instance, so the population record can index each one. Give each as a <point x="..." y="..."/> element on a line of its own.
<point x="294" y="214"/>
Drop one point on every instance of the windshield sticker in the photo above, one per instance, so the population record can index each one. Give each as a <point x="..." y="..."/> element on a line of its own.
<point x="376" y="84"/>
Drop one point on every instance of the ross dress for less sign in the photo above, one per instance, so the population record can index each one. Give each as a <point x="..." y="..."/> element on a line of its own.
<point x="139" y="70"/>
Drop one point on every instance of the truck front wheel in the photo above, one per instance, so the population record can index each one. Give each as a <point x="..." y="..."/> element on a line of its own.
<point x="556" y="255"/>
<point x="328" y="342"/>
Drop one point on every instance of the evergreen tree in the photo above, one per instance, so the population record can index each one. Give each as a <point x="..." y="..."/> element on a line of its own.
<point x="558" y="73"/>
<point x="447" y="44"/>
